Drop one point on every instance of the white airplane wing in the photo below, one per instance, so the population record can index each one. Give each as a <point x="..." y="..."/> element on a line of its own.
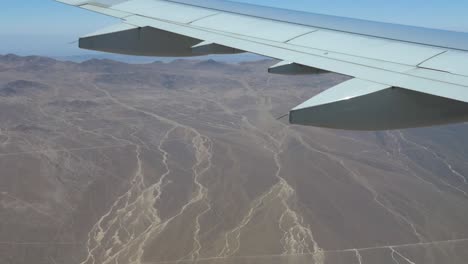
<point x="403" y="76"/>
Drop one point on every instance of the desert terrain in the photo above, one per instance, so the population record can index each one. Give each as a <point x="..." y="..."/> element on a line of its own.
<point x="103" y="162"/>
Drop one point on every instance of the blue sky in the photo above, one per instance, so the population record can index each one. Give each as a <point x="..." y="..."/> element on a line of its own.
<point x="45" y="27"/>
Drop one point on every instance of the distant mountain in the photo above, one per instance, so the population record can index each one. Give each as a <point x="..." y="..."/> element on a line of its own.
<point x="104" y="56"/>
<point x="145" y="60"/>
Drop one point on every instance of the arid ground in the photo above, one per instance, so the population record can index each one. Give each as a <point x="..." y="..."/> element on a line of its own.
<point x="186" y="162"/>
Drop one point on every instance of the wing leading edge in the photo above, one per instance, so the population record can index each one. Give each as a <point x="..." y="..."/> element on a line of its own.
<point x="401" y="79"/>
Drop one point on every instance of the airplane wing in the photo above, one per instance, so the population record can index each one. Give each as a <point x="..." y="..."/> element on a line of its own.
<point x="403" y="76"/>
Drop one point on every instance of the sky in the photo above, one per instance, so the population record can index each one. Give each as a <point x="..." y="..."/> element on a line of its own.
<point x="46" y="27"/>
